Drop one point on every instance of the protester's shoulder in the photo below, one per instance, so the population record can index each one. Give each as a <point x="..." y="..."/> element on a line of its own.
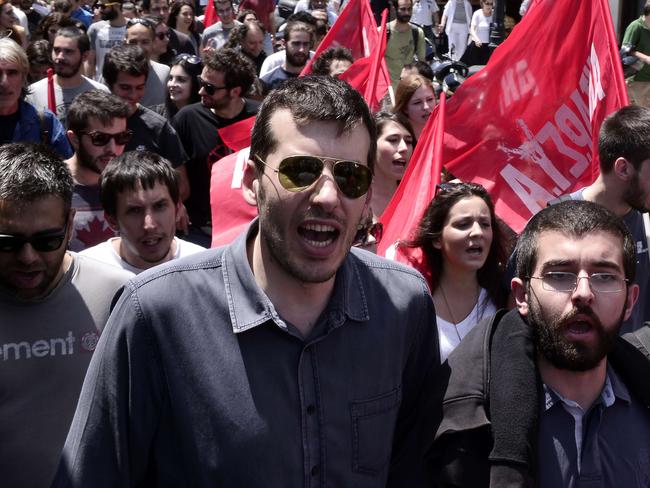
<point x="188" y="111"/>
<point x="101" y="273"/>
<point x="38" y="86"/>
<point x="160" y="68"/>
<point x="151" y="118"/>
<point x="94" y="85"/>
<point x="392" y="273"/>
<point x="188" y="248"/>
<point x="97" y="26"/>
<point x="251" y="106"/>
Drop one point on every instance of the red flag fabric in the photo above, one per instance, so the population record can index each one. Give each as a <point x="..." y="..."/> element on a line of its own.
<point x="230" y="212"/>
<point x="237" y="136"/>
<point x="526" y="126"/>
<point x="415" y="191"/>
<point x="51" y="99"/>
<point x="355" y="29"/>
<point x="210" y="15"/>
<point x="369" y="75"/>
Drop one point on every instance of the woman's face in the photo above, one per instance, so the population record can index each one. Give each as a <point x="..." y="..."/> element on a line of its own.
<point x="420" y="106"/>
<point x="161" y="41"/>
<point x="394" y="149"/>
<point x="466" y="235"/>
<point x="185" y="17"/>
<point x="7" y="18"/>
<point x="179" y="86"/>
<point x="488" y="7"/>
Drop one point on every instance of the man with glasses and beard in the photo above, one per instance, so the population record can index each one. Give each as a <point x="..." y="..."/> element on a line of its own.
<point x="282" y="359"/>
<point x="53" y="306"/>
<point x="69" y="51"/>
<point x="299" y="39"/>
<point x="548" y="394"/>
<point x="103" y="35"/>
<point x="97" y="130"/>
<point x="226" y="78"/>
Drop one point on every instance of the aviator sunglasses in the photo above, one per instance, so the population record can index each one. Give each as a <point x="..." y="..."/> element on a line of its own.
<point x="297" y="173"/>
<point x="102" y="138"/>
<point x="46" y="242"/>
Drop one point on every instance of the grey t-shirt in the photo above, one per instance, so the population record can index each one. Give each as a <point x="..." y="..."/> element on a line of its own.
<point x="45" y="348"/>
<point x="102" y="38"/>
<point x="217" y="32"/>
<point x="156" y="86"/>
<point x="63" y="96"/>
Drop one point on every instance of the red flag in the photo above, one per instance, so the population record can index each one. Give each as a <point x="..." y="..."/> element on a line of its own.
<point x="51" y="99"/>
<point x="209" y="16"/>
<point x="369" y="75"/>
<point x="415" y="191"/>
<point x="355" y="29"/>
<point x="237" y="136"/>
<point x="230" y="212"/>
<point x="526" y="126"/>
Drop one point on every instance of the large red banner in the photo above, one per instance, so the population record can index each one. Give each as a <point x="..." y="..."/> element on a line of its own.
<point x="526" y="126"/>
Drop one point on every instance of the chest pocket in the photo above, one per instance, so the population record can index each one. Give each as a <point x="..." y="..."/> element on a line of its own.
<point x="373" y="423"/>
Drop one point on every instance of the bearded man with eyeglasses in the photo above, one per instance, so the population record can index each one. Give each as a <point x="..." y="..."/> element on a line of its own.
<point x="283" y="359"/>
<point x="548" y="394"/>
<point x="53" y="306"/>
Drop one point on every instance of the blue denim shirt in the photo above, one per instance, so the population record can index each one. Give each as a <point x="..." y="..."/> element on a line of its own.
<point x="198" y="381"/>
<point x="28" y="129"/>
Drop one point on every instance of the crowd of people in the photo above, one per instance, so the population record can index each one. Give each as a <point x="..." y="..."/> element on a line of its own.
<point x="134" y="355"/>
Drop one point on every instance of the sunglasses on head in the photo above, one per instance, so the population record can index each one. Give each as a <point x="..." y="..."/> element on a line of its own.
<point x="296" y="173"/>
<point x="445" y="187"/>
<point x="209" y="88"/>
<point x="188" y="58"/>
<point x="98" y="138"/>
<point x="375" y="230"/>
<point x="46" y="242"/>
<point x="163" y="35"/>
<point x="132" y="22"/>
<point x="109" y="4"/>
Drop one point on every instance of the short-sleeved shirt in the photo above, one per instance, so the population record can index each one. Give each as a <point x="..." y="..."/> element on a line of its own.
<point x="217" y="32"/>
<point x="90" y="226"/>
<point x="423" y="11"/>
<point x="272" y="79"/>
<point x="102" y="38"/>
<point x="638" y="34"/>
<point x="152" y="132"/>
<point x="401" y="50"/>
<point x="606" y="446"/>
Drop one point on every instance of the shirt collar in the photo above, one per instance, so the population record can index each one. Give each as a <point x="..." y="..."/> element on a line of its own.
<point x="249" y="306"/>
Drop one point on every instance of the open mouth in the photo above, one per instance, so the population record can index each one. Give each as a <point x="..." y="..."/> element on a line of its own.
<point x="318" y="235"/>
<point x="475" y="250"/>
<point x="399" y="163"/>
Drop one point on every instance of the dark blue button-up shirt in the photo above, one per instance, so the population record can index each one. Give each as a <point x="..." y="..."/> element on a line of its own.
<point x="197" y="381"/>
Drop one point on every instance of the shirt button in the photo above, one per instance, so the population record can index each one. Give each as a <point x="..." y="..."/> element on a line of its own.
<point x="311" y="409"/>
<point x="315" y="470"/>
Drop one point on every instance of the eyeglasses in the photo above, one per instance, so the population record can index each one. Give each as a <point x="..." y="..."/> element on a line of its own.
<point x="47" y="242"/>
<point x="209" y="87"/>
<point x="163" y="35"/>
<point x="565" y="282"/>
<point x="98" y="138"/>
<point x="375" y="230"/>
<point x="188" y="58"/>
<point x="296" y="173"/>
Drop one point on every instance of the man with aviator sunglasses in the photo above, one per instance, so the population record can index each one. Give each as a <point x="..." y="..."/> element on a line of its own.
<point x="53" y="305"/>
<point x="282" y="359"/>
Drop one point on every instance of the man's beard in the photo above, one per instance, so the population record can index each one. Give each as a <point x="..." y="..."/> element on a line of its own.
<point x="84" y="159"/>
<point x="403" y="18"/>
<point x="564" y="354"/>
<point x="634" y="196"/>
<point x="65" y="73"/>
<point x="296" y="60"/>
<point x="110" y="14"/>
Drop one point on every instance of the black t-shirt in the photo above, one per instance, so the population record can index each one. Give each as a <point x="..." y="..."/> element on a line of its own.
<point x="197" y="127"/>
<point x="8" y="126"/>
<point x="152" y="132"/>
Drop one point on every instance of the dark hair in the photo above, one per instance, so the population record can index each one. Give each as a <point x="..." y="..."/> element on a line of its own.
<point x="625" y="134"/>
<point x="395" y="3"/>
<point x="144" y="22"/>
<point x="302" y="16"/>
<point x="175" y="10"/>
<point x="98" y="104"/>
<point x="243" y="13"/>
<point x="124" y="172"/>
<point x="63" y="6"/>
<point x="422" y="68"/>
<point x="31" y="171"/>
<point x="239" y="33"/>
<point x="237" y="69"/>
<point x="125" y="58"/>
<point x="646" y="9"/>
<point x="313" y="99"/>
<point x="83" y="43"/>
<point x="298" y="26"/>
<point x="39" y="53"/>
<point x="193" y="71"/>
<point x="382" y="119"/>
<point x="430" y="228"/>
<point x="323" y="62"/>
<point x="574" y="218"/>
<point x="55" y="18"/>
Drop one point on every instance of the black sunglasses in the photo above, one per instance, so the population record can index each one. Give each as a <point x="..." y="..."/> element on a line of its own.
<point x="162" y="35"/>
<point x="102" y="138"/>
<point x="209" y="87"/>
<point x="375" y="230"/>
<point x="297" y="173"/>
<point x="188" y="58"/>
<point x="145" y="22"/>
<point x="46" y="242"/>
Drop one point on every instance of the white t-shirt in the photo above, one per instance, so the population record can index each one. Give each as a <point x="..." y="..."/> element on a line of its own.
<point x="482" y="24"/>
<point x="450" y="335"/>
<point x="274" y="60"/>
<point x="423" y="11"/>
<point x="105" y="253"/>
